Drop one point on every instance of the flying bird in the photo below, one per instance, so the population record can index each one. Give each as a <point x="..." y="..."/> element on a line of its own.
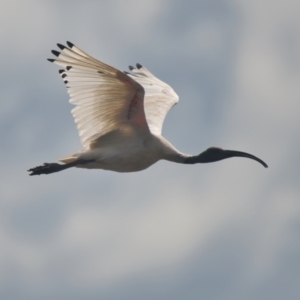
<point x="119" y="116"/>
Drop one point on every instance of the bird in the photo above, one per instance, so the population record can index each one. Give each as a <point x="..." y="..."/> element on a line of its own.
<point x="119" y="117"/>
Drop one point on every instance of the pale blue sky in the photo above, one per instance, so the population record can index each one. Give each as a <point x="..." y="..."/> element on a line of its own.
<point x="228" y="230"/>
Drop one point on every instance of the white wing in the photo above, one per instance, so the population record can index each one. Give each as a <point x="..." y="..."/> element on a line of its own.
<point x="159" y="97"/>
<point x="105" y="98"/>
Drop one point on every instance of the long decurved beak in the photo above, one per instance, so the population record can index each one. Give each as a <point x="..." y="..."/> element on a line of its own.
<point x="213" y="154"/>
<point x="233" y="153"/>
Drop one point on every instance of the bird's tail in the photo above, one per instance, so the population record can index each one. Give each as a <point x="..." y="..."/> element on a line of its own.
<point x="70" y="158"/>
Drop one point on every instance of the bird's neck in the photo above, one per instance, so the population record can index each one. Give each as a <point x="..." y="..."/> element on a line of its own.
<point x="170" y="153"/>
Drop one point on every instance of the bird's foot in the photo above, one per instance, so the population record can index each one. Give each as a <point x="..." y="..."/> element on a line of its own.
<point x="46" y="168"/>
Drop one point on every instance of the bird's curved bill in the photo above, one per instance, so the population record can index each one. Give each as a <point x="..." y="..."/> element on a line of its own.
<point x="233" y="153"/>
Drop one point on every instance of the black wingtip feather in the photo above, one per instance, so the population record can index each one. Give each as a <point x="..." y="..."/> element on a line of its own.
<point x="66" y="81"/>
<point x="63" y="75"/>
<point x="60" y="46"/>
<point x="61" y="71"/>
<point x="139" y="66"/>
<point x="51" y="59"/>
<point x="56" y="53"/>
<point x="70" y="44"/>
<point x="69" y="68"/>
<point x="130" y="68"/>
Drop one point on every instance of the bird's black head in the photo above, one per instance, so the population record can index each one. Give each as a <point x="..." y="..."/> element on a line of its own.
<point x="215" y="154"/>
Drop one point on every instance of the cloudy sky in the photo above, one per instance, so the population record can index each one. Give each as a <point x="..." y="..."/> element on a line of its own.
<point x="226" y="231"/>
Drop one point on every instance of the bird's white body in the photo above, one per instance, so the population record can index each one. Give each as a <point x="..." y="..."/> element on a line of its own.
<point x="127" y="150"/>
<point x="119" y="116"/>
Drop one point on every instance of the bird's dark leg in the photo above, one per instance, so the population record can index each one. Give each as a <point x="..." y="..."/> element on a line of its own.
<point x="48" y="168"/>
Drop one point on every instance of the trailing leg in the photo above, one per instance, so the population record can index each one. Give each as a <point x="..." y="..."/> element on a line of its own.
<point x="48" y="168"/>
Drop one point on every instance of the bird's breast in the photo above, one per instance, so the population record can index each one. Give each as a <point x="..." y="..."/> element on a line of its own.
<point x="134" y="155"/>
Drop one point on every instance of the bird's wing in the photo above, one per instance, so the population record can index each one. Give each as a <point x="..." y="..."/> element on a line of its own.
<point x="159" y="97"/>
<point x="105" y="98"/>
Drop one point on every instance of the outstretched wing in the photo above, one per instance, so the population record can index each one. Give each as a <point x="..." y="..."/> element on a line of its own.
<point x="105" y="98"/>
<point x="159" y="97"/>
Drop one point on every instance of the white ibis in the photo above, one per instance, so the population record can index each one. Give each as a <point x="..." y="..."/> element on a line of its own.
<point x="119" y="116"/>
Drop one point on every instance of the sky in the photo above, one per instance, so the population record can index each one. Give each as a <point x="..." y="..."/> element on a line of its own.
<point x="227" y="230"/>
